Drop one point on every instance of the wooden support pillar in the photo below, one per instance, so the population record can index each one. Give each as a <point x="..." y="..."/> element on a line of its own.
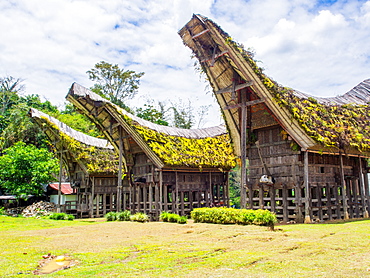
<point x="151" y="198"/>
<point x="328" y="202"/>
<point x="344" y="187"/>
<point x="243" y="152"/>
<point x="319" y="202"/>
<point x="272" y="198"/>
<point x="298" y="203"/>
<point x="227" y="191"/>
<point x="157" y="203"/>
<point x="97" y="196"/>
<point x="337" y="200"/>
<point x="210" y="196"/>
<point x="161" y="197"/>
<point x="104" y="203"/>
<point x="285" y="204"/>
<point x="260" y="195"/>
<point x="145" y="198"/>
<point x="92" y="197"/>
<point x="120" y="158"/>
<point x="60" y="177"/>
<point x="365" y="212"/>
<point x="367" y="193"/>
<point x="182" y="203"/>
<point x="165" y="198"/>
<point x="176" y="195"/>
<point x="307" y="211"/>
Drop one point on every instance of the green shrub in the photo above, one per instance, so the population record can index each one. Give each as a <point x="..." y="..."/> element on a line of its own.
<point x="61" y="216"/>
<point x="111" y="216"/>
<point x="173" y="217"/>
<point x="139" y="217"/>
<point x="2" y="211"/>
<point x="182" y="220"/>
<point x="234" y="216"/>
<point x="164" y="216"/>
<point x="123" y="215"/>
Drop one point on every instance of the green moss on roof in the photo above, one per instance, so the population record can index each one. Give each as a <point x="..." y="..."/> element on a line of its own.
<point x="209" y="152"/>
<point x="96" y="160"/>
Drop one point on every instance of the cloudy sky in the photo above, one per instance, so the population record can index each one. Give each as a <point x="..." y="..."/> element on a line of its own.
<point x="318" y="47"/>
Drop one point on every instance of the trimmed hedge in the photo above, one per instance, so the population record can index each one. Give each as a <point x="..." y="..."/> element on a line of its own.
<point x="61" y="216"/>
<point x="234" y="216"/>
<point x="173" y="217"/>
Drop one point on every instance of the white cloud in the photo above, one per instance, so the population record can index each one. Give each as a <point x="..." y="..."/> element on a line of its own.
<point x="322" y="50"/>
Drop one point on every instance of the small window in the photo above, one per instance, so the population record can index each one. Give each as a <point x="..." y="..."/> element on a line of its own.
<point x="322" y="169"/>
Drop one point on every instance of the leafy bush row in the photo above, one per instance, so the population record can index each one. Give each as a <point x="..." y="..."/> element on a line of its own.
<point x="61" y="216"/>
<point x="234" y="216"/>
<point x="126" y="216"/>
<point x="173" y="218"/>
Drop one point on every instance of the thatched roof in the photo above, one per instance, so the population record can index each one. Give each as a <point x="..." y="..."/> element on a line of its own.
<point x="165" y="146"/>
<point x="314" y="123"/>
<point x="94" y="155"/>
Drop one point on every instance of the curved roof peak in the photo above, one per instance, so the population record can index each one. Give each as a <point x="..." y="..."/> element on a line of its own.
<point x="360" y="95"/>
<point x="79" y="136"/>
<point x="198" y="133"/>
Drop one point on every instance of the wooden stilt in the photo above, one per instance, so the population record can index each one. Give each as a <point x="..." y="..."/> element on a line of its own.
<point x="343" y="184"/>
<point x="307" y="211"/>
<point x="365" y="212"/>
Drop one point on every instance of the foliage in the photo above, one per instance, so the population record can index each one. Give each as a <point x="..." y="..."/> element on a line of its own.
<point x="80" y="123"/>
<point x="2" y="211"/>
<point x="111" y="216"/>
<point x="182" y="115"/>
<point x="152" y="114"/>
<point x="214" y="152"/>
<point x="124" y="215"/>
<point x="234" y="216"/>
<point x="61" y="216"/>
<point x="173" y="217"/>
<point x="9" y="88"/>
<point x="97" y="160"/>
<point x="234" y="187"/>
<point x="24" y="168"/>
<point x="114" y="83"/>
<point x="182" y="220"/>
<point x="15" y="125"/>
<point x="139" y="217"/>
<point x="177" y="114"/>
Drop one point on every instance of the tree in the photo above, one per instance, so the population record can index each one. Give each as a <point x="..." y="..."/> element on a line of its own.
<point x="9" y="89"/>
<point x="24" y="168"/>
<point x="114" y="83"/>
<point x="152" y="114"/>
<point x="183" y="116"/>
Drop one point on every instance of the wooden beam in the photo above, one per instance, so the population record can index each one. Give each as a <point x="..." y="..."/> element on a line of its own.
<point x="201" y="33"/>
<point x="214" y="57"/>
<point x="229" y="89"/>
<point x="307" y="219"/>
<point x="248" y="103"/>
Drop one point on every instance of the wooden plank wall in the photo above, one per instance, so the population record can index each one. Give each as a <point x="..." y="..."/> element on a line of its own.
<point x="287" y="196"/>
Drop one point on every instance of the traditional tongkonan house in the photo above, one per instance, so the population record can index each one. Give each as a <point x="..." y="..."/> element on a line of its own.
<point x="307" y="156"/>
<point x="90" y="163"/>
<point x="167" y="168"/>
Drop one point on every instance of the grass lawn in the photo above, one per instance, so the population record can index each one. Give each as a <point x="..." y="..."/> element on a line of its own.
<point x="157" y="249"/>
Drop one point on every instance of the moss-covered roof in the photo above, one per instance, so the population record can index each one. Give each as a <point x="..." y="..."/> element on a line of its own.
<point x="313" y="122"/>
<point x="167" y="146"/>
<point x="95" y="156"/>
